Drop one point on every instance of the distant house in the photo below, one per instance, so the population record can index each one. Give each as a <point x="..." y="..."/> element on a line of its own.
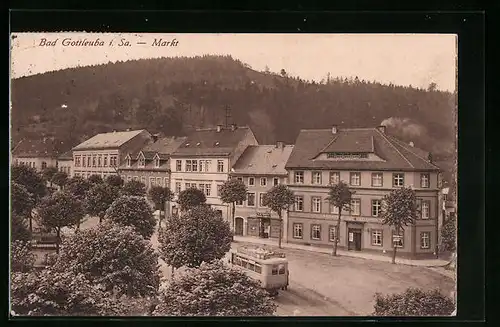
<point x="151" y="164"/>
<point x="36" y="153"/>
<point x="65" y="163"/>
<point x="372" y="163"/>
<point x="204" y="160"/>
<point x="260" y="167"/>
<point x="103" y="153"/>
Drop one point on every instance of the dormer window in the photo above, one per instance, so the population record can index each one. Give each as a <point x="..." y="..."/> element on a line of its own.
<point x="129" y="162"/>
<point x="142" y="162"/>
<point x="346" y="155"/>
<point x="157" y="162"/>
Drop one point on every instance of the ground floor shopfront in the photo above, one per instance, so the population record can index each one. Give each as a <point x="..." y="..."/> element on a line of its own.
<point x="364" y="234"/>
<point x="259" y="223"/>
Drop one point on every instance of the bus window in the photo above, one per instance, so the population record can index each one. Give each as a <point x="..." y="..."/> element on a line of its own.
<point x="281" y="269"/>
<point x="274" y="270"/>
<point x="258" y="268"/>
<point x="251" y="266"/>
<point x="233" y="258"/>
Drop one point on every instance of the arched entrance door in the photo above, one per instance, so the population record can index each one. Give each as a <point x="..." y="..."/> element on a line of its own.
<point x="238" y="226"/>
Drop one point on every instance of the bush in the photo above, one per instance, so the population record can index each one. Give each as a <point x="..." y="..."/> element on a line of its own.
<point x="413" y="302"/>
<point x="22" y="259"/>
<point x="449" y="235"/>
<point x="18" y="229"/>
<point x="214" y="290"/>
<point x="133" y="211"/>
<point x="114" y="256"/>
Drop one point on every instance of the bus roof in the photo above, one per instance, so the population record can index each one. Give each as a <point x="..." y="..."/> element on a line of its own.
<point x="260" y="252"/>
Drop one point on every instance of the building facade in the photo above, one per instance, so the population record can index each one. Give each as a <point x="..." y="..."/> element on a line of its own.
<point x="65" y="163"/>
<point x="372" y="163"/>
<point x="260" y="168"/>
<point x="39" y="154"/>
<point x="204" y="160"/>
<point x="102" y="154"/>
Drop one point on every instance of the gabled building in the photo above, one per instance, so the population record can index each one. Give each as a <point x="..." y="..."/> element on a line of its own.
<point x="151" y="164"/>
<point x="36" y="153"/>
<point x="65" y="163"/>
<point x="103" y="153"/>
<point x="260" y="167"/>
<point x="372" y="163"/>
<point x="204" y="160"/>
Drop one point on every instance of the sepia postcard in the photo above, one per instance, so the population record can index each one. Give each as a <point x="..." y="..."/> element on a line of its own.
<point x="233" y="174"/>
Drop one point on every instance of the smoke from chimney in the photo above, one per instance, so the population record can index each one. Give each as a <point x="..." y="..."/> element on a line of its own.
<point x="404" y="126"/>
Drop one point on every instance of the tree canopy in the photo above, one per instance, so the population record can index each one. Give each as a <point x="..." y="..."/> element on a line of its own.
<point x="18" y="229"/>
<point x="279" y="198"/>
<point x="60" y="179"/>
<point x="21" y="257"/>
<point x="449" y="235"/>
<point x="339" y="196"/>
<point x="21" y="201"/>
<point x="30" y="179"/>
<point x="98" y="199"/>
<point x="95" y="179"/>
<point x="48" y="173"/>
<point x="190" y="198"/>
<point x="198" y="236"/>
<point x="114" y="180"/>
<point x="133" y="211"/>
<point x="134" y="188"/>
<point x="214" y="290"/>
<point x="159" y="195"/>
<point x="78" y="186"/>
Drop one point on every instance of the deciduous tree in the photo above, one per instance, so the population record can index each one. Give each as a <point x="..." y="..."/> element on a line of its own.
<point x="95" y="179"/>
<point x="60" y="179"/>
<point x="18" y="229"/>
<point x="132" y="211"/>
<point x="339" y="196"/>
<point x="190" y="198"/>
<point x="232" y="191"/>
<point x="198" y="236"/>
<point x="21" y="257"/>
<point x="449" y="235"/>
<point x="160" y="196"/>
<point x="279" y="198"/>
<point x="399" y="209"/>
<point x="48" y="173"/>
<point x="114" y="181"/>
<point x="98" y="199"/>
<point x="134" y="188"/>
<point x="78" y="186"/>
<point x="21" y="201"/>
<point x="113" y="256"/>
<point x="58" y="210"/>
<point x="214" y="290"/>
<point x="413" y="302"/>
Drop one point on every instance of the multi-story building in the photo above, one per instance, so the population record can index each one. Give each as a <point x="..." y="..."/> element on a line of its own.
<point x="103" y="153"/>
<point x="151" y="164"/>
<point x="372" y="163"/>
<point x="36" y="153"/>
<point x="204" y="160"/>
<point x="65" y="163"/>
<point x="260" y="167"/>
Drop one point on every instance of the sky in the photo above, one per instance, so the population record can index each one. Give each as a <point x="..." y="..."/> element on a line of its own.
<point x="402" y="59"/>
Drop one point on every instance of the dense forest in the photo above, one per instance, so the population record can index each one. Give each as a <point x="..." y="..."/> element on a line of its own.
<point x="175" y="95"/>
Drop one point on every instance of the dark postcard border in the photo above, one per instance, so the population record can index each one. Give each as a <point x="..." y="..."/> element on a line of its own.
<point x="468" y="25"/>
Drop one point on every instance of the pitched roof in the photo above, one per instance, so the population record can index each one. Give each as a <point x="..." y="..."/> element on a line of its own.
<point x="163" y="147"/>
<point x="395" y="154"/>
<point x="45" y="147"/>
<point x="208" y="141"/>
<point x="68" y="155"/>
<point x="108" y="140"/>
<point x="263" y="160"/>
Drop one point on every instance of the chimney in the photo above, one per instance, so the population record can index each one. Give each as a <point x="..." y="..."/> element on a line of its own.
<point x="280" y="145"/>
<point x="429" y="157"/>
<point x="219" y="128"/>
<point x="381" y="129"/>
<point x="233" y="127"/>
<point x="334" y="129"/>
<point x="154" y="137"/>
<point x="412" y="144"/>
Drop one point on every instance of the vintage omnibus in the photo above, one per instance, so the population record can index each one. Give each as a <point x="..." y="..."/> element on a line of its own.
<point x="268" y="267"/>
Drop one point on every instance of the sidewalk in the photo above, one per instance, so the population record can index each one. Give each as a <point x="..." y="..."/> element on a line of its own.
<point x="361" y="255"/>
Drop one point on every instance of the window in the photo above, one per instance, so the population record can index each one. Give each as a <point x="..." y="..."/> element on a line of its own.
<point x="316" y="232"/>
<point x="166" y="182"/>
<point x="143" y="180"/>
<point x="152" y="181"/>
<point x="355" y="179"/>
<point x="44" y="165"/>
<point x="274" y="270"/>
<point x="281" y="269"/>
<point x="316" y="204"/>
<point x="376" y="207"/>
<point x="377" y="237"/>
<point x="178" y="165"/>
<point x="334" y="177"/>
<point x="261" y="199"/>
<point x="195" y="165"/>
<point x="398" y="180"/>
<point x="208" y="189"/>
<point x="334" y="209"/>
<point x="377" y="179"/>
<point x="129" y="162"/>
<point x="113" y="161"/>
<point x="129" y="178"/>
<point x="89" y="161"/>
<point x="332" y="231"/>
<point x="84" y="161"/>
<point x="424" y="180"/>
<point x="142" y="162"/>
<point x="276" y="181"/>
<point x="94" y="160"/>
<point x="299" y="203"/>
<point x="187" y="186"/>
<point x="425" y="209"/>
<point x="251" y="181"/>
<point x="297" y="231"/>
<point x="177" y="187"/>
<point x="219" y="187"/>
<point x="157" y="162"/>
<point x="263" y="181"/>
<point x="398" y="240"/>
<point x="188" y="165"/>
<point x="220" y="166"/>
<point x="105" y="160"/>
<point x="425" y="240"/>
<point x="77" y="161"/>
<point x="299" y="177"/>
<point x="136" y="178"/>
<point x="158" y="181"/>
<point x="251" y="199"/>
<point x="355" y="207"/>
<point x="316" y="177"/>
<point x="99" y="161"/>
<point x="239" y="203"/>
<point x="208" y="163"/>
<point x="240" y="179"/>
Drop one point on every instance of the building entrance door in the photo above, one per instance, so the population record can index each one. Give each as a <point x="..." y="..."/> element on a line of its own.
<point x="354" y="239"/>
<point x="238" y="226"/>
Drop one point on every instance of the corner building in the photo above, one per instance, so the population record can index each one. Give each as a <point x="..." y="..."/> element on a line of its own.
<point x="372" y="163"/>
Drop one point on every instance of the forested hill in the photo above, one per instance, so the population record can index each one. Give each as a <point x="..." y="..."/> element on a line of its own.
<point x="174" y="95"/>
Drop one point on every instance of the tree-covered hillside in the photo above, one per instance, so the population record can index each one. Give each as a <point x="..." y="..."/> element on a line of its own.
<point x="174" y="95"/>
